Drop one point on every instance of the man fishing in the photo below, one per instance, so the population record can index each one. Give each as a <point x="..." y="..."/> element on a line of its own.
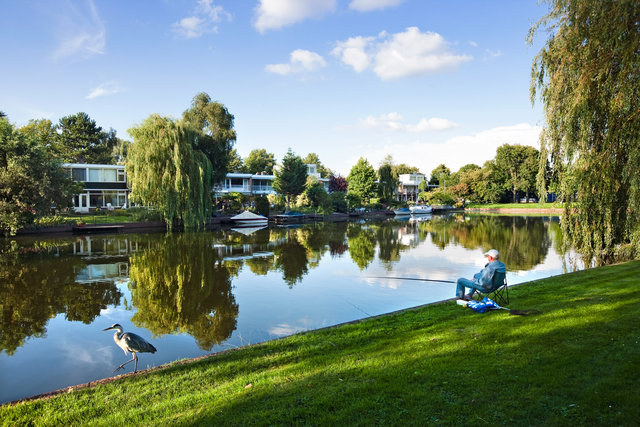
<point x="483" y="280"/>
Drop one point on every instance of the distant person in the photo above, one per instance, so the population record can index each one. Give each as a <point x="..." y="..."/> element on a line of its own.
<point x="483" y="280"/>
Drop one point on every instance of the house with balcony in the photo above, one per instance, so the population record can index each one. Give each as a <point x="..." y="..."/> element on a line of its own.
<point x="408" y="184"/>
<point x="245" y="183"/>
<point x="104" y="186"/>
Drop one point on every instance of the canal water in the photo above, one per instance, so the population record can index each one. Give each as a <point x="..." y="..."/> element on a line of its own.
<point x="192" y="294"/>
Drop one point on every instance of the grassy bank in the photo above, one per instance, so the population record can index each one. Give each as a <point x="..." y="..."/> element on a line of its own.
<point x="515" y="206"/>
<point x="574" y="362"/>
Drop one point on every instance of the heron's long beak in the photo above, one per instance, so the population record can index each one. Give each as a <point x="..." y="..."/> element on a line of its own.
<point x="107" y="329"/>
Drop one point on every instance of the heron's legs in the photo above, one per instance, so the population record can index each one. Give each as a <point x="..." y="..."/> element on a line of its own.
<point x="135" y="357"/>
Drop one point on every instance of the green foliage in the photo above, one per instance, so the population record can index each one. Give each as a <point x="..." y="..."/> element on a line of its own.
<point x="236" y="164"/>
<point x="388" y="184"/>
<point x="52" y="220"/>
<point x="353" y="200"/>
<point x="168" y="173"/>
<point x="31" y="180"/>
<point x="440" y="175"/>
<point x="216" y="136"/>
<point x="441" y="197"/>
<point x="262" y="205"/>
<point x="362" y="180"/>
<point x="259" y="161"/>
<point x="315" y="196"/>
<point x="143" y="214"/>
<point x="339" y="202"/>
<point x="290" y="179"/>
<point x="518" y="164"/>
<point x="81" y="140"/>
<point x="587" y="78"/>
<point x="277" y="201"/>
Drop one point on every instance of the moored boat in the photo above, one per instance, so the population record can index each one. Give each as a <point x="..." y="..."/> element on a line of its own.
<point x="421" y="210"/>
<point x="249" y="219"/>
<point x="402" y="211"/>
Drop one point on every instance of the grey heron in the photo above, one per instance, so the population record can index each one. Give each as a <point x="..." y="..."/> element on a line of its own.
<point x="130" y="342"/>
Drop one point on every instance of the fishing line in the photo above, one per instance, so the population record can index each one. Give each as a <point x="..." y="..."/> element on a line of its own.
<point x="409" y="278"/>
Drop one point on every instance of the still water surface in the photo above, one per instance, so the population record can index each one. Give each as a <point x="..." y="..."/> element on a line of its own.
<point x="191" y="294"/>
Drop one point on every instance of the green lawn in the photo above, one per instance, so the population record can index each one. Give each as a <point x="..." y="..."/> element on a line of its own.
<point x="575" y="362"/>
<point x="514" y="206"/>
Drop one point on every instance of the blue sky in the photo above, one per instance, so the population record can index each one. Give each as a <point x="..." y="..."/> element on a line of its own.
<point x="428" y="82"/>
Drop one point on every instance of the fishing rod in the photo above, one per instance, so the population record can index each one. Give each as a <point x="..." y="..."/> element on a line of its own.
<point x="410" y="278"/>
<point x="511" y="311"/>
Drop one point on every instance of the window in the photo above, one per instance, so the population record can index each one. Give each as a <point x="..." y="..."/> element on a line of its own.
<point x="237" y="182"/>
<point x="95" y="175"/>
<point x="109" y="175"/>
<point x="79" y="174"/>
<point x="121" y="176"/>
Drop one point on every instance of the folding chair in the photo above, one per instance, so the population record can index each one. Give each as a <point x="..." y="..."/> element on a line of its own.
<point x="499" y="291"/>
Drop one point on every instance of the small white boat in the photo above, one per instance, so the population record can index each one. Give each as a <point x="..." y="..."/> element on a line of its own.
<point x="249" y="219"/>
<point x="402" y="211"/>
<point x="421" y="210"/>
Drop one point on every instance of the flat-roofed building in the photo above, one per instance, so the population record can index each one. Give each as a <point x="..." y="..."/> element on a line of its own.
<point x="104" y="186"/>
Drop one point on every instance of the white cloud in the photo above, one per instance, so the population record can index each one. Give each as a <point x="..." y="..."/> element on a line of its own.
<point x="355" y="52"/>
<point x="204" y="20"/>
<point x="394" y="122"/>
<point x="368" y="5"/>
<point x="275" y="14"/>
<point x="82" y="33"/>
<point x="300" y="61"/>
<point x="476" y="148"/>
<point x="107" y="88"/>
<point x="399" y="55"/>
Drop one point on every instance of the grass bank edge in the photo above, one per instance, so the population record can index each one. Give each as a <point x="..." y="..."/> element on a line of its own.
<point x="324" y="358"/>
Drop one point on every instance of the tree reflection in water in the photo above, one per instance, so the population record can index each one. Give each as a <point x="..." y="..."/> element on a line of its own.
<point x="523" y="242"/>
<point x="182" y="282"/>
<point x="35" y="287"/>
<point x="181" y="285"/>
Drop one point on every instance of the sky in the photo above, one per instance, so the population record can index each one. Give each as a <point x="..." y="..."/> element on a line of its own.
<point x="428" y="82"/>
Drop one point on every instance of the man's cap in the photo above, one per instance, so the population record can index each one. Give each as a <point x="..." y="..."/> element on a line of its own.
<point x="493" y="254"/>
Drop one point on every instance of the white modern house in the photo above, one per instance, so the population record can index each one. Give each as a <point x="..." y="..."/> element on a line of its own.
<point x="245" y="183"/>
<point x="408" y="186"/>
<point x="105" y="186"/>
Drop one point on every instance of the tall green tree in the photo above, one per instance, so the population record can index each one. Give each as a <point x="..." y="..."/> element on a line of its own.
<point x="44" y="131"/>
<point x="166" y="170"/>
<point x="291" y="177"/>
<point x="518" y="164"/>
<point x="387" y="183"/>
<point x="31" y="180"/>
<point x="216" y="134"/>
<point x="259" y="161"/>
<point x="236" y="164"/>
<point x="440" y="175"/>
<point x="362" y="180"/>
<point x="587" y="78"/>
<point x="81" y="140"/>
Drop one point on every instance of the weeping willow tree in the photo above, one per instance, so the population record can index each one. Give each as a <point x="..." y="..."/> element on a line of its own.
<point x="587" y="76"/>
<point x="166" y="172"/>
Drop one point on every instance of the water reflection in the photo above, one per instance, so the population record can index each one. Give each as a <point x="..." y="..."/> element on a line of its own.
<point x="41" y="281"/>
<point x="192" y="286"/>
<point x="180" y="285"/>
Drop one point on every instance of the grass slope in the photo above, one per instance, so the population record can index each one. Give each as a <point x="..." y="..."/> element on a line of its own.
<point x="576" y="362"/>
